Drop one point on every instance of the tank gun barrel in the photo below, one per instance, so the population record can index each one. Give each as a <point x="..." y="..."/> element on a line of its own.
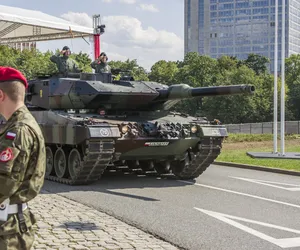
<point x="182" y="91"/>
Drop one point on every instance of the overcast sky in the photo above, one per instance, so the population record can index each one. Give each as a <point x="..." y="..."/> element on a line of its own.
<point x="146" y="30"/>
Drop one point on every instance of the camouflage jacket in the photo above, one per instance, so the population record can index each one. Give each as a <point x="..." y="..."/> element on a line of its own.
<point x="65" y="64"/>
<point x="100" y="67"/>
<point x="22" y="165"/>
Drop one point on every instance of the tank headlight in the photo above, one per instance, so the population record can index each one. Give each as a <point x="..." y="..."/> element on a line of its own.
<point x="124" y="129"/>
<point x="194" y="129"/>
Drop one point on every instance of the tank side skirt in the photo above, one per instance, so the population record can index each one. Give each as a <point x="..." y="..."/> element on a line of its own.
<point x="97" y="156"/>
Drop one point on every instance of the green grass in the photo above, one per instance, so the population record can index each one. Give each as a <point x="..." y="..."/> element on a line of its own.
<point x="234" y="150"/>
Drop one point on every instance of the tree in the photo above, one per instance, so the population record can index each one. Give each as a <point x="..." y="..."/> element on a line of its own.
<point x="240" y="108"/>
<point x="257" y="63"/>
<point x="197" y="71"/>
<point x="292" y="68"/>
<point x="163" y="72"/>
<point x="227" y="63"/>
<point x="8" y="56"/>
<point x="138" y="72"/>
<point x="83" y="60"/>
<point x="292" y="80"/>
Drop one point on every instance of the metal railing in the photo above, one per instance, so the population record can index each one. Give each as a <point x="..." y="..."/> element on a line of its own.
<point x="291" y="127"/>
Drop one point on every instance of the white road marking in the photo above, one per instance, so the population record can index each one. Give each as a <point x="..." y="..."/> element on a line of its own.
<point x="283" y="242"/>
<point x="270" y="183"/>
<point x="244" y="194"/>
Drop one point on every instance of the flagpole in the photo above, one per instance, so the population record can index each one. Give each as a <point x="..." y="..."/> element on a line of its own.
<point x="275" y="128"/>
<point x="282" y="117"/>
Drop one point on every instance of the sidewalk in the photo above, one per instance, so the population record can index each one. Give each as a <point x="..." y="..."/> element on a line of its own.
<point x="65" y="224"/>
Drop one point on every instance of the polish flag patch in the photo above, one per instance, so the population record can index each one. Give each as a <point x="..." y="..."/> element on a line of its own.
<point x="6" y="155"/>
<point x="10" y="135"/>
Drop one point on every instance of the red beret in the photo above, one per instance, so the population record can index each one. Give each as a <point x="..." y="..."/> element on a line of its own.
<point x="11" y="74"/>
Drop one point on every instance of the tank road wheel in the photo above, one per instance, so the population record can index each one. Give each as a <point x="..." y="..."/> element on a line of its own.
<point x="162" y="167"/>
<point x="146" y="165"/>
<point x="60" y="163"/>
<point x="49" y="162"/>
<point x="132" y="164"/>
<point x="74" y="163"/>
<point x="191" y="167"/>
<point x="179" y="166"/>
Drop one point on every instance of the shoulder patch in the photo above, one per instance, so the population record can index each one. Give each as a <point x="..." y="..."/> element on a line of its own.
<point x="6" y="155"/>
<point x="10" y="136"/>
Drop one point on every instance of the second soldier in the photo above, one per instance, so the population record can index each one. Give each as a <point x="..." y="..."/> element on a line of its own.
<point x="100" y="64"/>
<point x="64" y="63"/>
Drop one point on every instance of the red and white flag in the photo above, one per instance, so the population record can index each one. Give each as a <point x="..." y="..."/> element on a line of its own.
<point x="10" y="135"/>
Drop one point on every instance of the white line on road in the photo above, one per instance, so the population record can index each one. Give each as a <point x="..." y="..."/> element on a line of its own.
<point x="270" y="183"/>
<point x="283" y="242"/>
<point x="244" y="194"/>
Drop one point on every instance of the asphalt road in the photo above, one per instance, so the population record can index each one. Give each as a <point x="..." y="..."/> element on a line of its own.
<point x="226" y="208"/>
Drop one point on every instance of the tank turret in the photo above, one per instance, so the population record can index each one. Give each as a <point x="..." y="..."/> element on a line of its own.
<point x="94" y="91"/>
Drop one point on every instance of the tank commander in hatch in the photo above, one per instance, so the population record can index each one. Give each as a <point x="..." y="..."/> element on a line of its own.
<point x="100" y="64"/>
<point x="64" y="63"/>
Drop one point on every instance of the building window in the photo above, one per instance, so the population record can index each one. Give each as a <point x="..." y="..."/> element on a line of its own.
<point x="261" y="11"/>
<point x="213" y="43"/>
<point x="189" y="13"/>
<point x="260" y="3"/>
<point x="226" y="6"/>
<point x="213" y="7"/>
<point x="201" y="13"/>
<point x="242" y="5"/>
<point x="243" y="12"/>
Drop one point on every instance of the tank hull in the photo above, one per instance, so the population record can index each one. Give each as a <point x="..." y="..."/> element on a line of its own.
<point x="81" y="147"/>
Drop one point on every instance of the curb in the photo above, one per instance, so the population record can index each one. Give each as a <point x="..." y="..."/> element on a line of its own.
<point x="259" y="168"/>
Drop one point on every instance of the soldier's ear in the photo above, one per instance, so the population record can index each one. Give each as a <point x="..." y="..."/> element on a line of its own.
<point x="2" y="95"/>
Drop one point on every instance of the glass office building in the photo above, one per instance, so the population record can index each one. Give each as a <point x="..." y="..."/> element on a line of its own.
<point x="240" y="27"/>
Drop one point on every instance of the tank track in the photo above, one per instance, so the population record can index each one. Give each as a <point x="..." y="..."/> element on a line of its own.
<point x="208" y="150"/>
<point x="96" y="157"/>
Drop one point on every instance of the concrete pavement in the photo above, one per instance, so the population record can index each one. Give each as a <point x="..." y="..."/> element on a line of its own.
<point x="66" y="224"/>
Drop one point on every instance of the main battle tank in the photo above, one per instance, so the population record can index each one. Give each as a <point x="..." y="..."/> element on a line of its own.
<point x="92" y="123"/>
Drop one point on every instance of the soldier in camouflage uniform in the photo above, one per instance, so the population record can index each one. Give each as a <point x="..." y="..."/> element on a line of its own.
<point x="64" y="63"/>
<point x="100" y="65"/>
<point x="22" y="163"/>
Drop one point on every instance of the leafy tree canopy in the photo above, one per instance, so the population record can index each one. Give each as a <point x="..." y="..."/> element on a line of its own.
<point x="197" y="71"/>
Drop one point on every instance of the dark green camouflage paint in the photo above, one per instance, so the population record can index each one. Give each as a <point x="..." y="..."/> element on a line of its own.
<point x="68" y="111"/>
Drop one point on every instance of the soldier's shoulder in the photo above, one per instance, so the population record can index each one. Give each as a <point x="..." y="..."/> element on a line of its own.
<point x="18" y="135"/>
<point x="54" y="57"/>
<point x="28" y="124"/>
